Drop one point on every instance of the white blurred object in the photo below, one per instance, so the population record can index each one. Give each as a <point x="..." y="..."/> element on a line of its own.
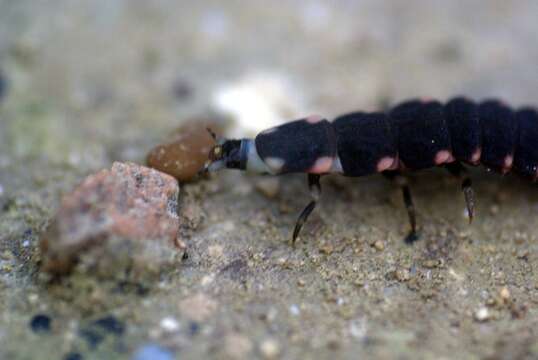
<point x="215" y="24"/>
<point x="169" y="324"/>
<point x="316" y="16"/>
<point x="258" y="101"/>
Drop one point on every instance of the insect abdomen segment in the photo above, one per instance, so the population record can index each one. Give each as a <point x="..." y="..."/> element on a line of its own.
<point x="499" y="135"/>
<point x="366" y="143"/>
<point x="306" y="145"/>
<point x="462" y="119"/>
<point x="423" y="137"/>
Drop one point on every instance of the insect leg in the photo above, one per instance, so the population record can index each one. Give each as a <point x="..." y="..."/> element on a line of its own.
<point x="315" y="192"/>
<point x="458" y="170"/>
<point x="401" y="181"/>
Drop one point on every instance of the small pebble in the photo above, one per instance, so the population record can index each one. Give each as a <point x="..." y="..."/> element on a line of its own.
<point x="294" y="310"/>
<point x="194" y="328"/>
<point x="482" y="314"/>
<point x="152" y="352"/>
<point x="130" y="209"/>
<point x="268" y="187"/>
<point x="169" y="324"/>
<point x="379" y="245"/>
<point x="270" y="349"/>
<point x="33" y="298"/>
<point x="40" y="323"/>
<point x="402" y="275"/>
<point x="207" y="279"/>
<point x="504" y="294"/>
<point x="326" y="249"/>
<point x="430" y="264"/>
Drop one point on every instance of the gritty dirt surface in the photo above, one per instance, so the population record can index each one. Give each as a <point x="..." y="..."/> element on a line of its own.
<point x="86" y="83"/>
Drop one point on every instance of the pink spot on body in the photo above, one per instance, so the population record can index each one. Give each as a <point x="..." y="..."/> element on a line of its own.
<point x="475" y="158"/>
<point x="312" y="119"/>
<point x="507" y="163"/>
<point x="322" y="165"/>
<point x="387" y="163"/>
<point x="443" y="157"/>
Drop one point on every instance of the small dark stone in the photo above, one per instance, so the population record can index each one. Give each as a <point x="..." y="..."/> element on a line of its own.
<point x="138" y="180"/>
<point x="73" y="356"/>
<point x="194" y="328"/>
<point x="111" y="325"/>
<point x="92" y="337"/>
<point x="411" y="238"/>
<point x="8" y="203"/>
<point x="40" y="323"/>
<point x="142" y="290"/>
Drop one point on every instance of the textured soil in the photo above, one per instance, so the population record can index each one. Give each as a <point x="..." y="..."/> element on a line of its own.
<point x="86" y="83"/>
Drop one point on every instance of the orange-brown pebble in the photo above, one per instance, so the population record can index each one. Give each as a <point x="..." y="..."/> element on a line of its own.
<point x="185" y="152"/>
<point x="116" y="219"/>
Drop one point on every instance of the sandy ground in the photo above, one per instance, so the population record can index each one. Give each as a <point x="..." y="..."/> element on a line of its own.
<point x="91" y="82"/>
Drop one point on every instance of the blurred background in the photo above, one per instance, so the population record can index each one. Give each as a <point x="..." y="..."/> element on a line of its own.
<point x="84" y="81"/>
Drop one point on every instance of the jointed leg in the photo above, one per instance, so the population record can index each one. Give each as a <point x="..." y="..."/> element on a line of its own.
<point x="458" y="170"/>
<point x="315" y="192"/>
<point x="401" y="180"/>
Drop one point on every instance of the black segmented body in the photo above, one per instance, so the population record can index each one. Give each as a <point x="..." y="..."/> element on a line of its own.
<point x="413" y="135"/>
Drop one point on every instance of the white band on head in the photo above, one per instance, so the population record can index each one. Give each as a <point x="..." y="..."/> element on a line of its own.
<point x="337" y="165"/>
<point x="254" y="163"/>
